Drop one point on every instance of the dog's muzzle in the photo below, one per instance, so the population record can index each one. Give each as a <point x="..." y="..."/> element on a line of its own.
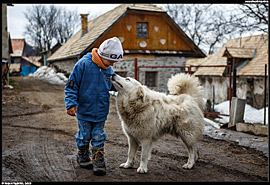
<point x="113" y="80"/>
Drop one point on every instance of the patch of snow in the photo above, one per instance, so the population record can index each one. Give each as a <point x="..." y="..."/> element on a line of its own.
<point x="8" y="86"/>
<point x="49" y="74"/>
<point x="251" y="115"/>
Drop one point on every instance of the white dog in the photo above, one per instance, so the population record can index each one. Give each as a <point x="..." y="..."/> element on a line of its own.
<point x="147" y="115"/>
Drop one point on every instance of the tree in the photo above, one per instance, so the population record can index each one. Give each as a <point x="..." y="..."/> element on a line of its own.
<point x="47" y="24"/>
<point x="204" y="24"/>
<point x="252" y="17"/>
<point x="210" y="25"/>
<point x="64" y="28"/>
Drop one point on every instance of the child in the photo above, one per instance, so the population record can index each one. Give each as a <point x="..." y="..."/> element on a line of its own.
<point x="88" y="98"/>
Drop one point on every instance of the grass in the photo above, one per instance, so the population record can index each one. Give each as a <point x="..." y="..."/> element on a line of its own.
<point x="13" y="83"/>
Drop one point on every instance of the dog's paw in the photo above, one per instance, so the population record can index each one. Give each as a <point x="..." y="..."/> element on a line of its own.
<point x="142" y="170"/>
<point x="187" y="166"/>
<point x="125" y="165"/>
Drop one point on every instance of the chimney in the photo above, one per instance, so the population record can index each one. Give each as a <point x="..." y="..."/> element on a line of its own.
<point x="84" y="23"/>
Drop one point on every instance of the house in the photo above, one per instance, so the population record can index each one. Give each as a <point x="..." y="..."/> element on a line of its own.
<point x="248" y="56"/>
<point x="146" y="32"/>
<point x="47" y="53"/>
<point x="24" y="59"/>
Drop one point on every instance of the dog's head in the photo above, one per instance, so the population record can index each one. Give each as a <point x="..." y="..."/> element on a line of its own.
<point x="124" y="84"/>
<point x="130" y="92"/>
<point x="127" y="85"/>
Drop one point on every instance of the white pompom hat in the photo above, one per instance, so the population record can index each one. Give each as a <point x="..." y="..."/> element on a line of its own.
<point x="111" y="49"/>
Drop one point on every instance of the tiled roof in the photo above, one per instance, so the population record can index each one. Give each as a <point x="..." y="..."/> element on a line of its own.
<point x="33" y="59"/>
<point x="242" y="48"/>
<point x="17" y="47"/>
<point x="76" y="44"/>
<point x="194" y="61"/>
<point x="237" y="52"/>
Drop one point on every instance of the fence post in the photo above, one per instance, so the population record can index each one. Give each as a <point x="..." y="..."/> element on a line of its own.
<point x="189" y="69"/>
<point x="264" y="107"/>
<point x="237" y="111"/>
<point x="213" y="105"/>
<point x="230" y="87"/>
<point x="234" y="83"/>
<point x="135" y="69"/>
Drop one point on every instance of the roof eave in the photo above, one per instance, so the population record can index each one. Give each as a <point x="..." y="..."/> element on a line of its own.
<point x="178" y="27"/>
<point x="87" y="47"/>
<point x="59" y="59"/>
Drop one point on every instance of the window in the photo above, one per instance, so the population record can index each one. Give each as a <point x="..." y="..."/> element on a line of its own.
<point x="150" y="79"/>
<point x="142" y="30"/>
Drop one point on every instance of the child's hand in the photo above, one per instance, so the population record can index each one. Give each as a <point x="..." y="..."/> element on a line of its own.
<point x="72" y="111"/>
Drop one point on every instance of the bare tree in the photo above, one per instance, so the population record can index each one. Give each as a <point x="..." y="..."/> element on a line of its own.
<point x="190" y="18"/>
<point x="202" y="23"/>
<point x="63" y="26"/>
<point x="48" y="23"/>
<point x="219" y="29"/>
<point x="252" y="17"/>
<point x="210" y="25"/>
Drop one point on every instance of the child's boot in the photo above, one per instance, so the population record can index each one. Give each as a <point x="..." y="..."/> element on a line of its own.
<point x="83" y="158"/>
<point x="99" y="167"/>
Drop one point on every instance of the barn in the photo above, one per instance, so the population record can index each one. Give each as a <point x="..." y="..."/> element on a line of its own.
<point x="24" y="59"/>
<point x="146" y="32"/>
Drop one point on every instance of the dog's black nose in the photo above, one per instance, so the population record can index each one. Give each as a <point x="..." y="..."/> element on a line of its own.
<point x="113" y="75"/>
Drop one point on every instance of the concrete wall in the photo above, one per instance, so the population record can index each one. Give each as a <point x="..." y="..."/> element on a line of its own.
<point x="221" y="88"/>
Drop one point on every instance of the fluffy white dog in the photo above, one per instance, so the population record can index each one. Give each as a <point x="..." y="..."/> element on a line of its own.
<point x="147" y="115"/>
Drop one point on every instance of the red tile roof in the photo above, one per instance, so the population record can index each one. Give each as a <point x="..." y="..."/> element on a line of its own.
<point x="17" y="46"/>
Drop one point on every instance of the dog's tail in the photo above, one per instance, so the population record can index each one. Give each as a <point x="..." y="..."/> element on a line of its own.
<point x="182" y="83"/>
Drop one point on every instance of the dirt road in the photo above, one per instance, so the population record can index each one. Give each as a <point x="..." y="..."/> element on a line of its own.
<point x="38" y="144"/>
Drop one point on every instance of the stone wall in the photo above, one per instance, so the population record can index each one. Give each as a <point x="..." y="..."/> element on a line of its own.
<point x="163" y="74"/>
<point x="251" y="89"/>
<point x="65" y="66"/>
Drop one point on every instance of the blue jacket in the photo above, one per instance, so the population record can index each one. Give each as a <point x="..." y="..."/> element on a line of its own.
<point x="88" y="89"/>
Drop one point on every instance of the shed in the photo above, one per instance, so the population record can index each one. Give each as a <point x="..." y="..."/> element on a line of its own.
<point x="23" y="59"/>
<point x="248" y="55"/>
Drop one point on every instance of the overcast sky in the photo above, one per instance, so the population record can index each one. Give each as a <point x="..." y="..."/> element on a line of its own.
<point x="16" y="19"/>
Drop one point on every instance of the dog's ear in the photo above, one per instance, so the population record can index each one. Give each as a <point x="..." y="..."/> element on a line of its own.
<point x="140" y="93"/>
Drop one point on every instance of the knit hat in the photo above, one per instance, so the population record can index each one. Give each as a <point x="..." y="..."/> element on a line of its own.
<point x="111" y="49"/>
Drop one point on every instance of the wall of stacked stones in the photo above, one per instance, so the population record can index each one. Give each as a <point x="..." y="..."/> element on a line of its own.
<point x="163" y="74"/>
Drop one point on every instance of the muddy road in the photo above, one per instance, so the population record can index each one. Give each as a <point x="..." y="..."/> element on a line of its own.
<point x="38" y="144"/>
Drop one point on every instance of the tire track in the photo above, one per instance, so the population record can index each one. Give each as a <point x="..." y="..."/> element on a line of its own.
<point x="32" y="151"/>
<point x="50" y="165"/>
<point x="58" y="131"/>
<point x="49" y="161"/>
<point x="60" y="165"/>
<point x="37" y="172"/>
